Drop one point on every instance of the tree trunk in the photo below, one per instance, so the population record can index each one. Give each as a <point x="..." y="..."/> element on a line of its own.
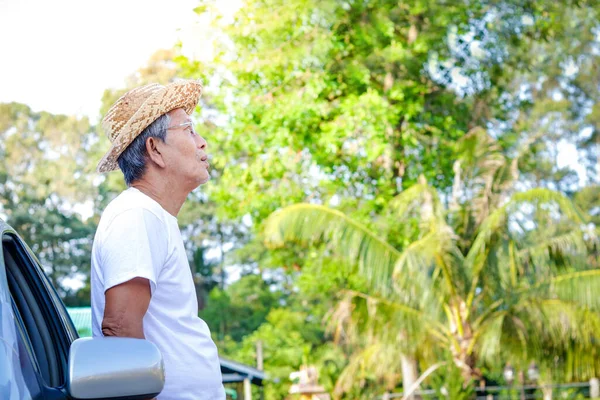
<point x="398" y="159"/>
<point x="463" y="358"/>
<point x="547" y="393"/>
<point x="409" y="373"/>
<point x="522" y="383"/>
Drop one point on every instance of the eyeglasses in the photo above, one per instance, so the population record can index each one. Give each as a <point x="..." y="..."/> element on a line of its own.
<point x="186" y="124"/>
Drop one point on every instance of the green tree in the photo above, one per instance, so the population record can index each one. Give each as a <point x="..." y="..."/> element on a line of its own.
<point x="347" y="103"/>
<point x="42" y="180"/>
<point x="290" y="339"/>
<point x="499" y="275"/>
<point x="241" y="308"/>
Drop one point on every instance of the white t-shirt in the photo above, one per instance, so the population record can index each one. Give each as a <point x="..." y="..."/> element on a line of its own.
<point x="136" y="237"/>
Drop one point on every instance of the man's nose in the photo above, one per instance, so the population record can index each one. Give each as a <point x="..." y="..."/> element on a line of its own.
<point x="201" y="143"/>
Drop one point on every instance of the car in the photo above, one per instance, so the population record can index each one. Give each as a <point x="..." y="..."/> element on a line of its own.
<point x="41" y="355"/>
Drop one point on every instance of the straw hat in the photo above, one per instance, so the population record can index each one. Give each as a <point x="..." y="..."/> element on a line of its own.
<point x="138" y="108"/>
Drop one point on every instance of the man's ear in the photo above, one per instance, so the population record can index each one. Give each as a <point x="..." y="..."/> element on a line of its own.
<point x="153" y="147"/>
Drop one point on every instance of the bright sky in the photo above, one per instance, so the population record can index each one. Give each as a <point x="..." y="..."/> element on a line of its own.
<point x="60" y="55"/>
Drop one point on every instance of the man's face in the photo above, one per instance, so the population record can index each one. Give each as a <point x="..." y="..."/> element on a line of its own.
<point x="185" y="151"/>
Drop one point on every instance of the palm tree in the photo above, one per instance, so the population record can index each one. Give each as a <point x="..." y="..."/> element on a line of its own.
<point x="495" y="275"/>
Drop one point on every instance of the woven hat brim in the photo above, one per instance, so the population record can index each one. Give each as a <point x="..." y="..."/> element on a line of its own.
<point x="185" y="94"/>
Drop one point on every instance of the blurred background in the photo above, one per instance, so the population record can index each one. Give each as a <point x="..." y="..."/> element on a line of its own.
<point x="405" y="194"/>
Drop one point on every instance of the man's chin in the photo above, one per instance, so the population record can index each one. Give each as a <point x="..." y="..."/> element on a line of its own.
<point x="202" y="180"/>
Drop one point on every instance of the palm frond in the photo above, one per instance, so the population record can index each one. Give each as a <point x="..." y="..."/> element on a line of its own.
<point x="378" y="362"/>
<point x="581" y="288"/>
<point x="340" y="321"/>
<point x="570" y="245"/>
<point x="556" y="321"/>
<point x="561" y="333"/>
<point x="310" y="223"/>
<point x="498" y="219"/>
<point x="542" y="330"/>
<point x="387" y="317"/>
<point x="483" y="167"/>
<point x="418" y="261"/>
<point x="419" y="196"/>
<point x="497" y="225"/>
<point x="576" y="363"/>
<point x="489" y="337"/>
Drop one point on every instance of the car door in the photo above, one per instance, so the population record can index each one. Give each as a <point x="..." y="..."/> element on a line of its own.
<point x="43" y="329"/>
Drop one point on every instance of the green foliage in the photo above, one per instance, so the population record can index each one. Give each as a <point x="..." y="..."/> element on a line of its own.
<point x="290" y="339"/>
<point x="521" y="294"/>
<point x="348" y="103"/>
<point x="78" y="298"/>
<point x="418" y="140"/>
<point x="241" y="308"/>
<point x="448" y="383"/>
<point x="41" y="177"/>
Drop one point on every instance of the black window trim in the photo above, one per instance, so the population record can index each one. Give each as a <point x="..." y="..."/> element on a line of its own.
<point x="59" y="324"/>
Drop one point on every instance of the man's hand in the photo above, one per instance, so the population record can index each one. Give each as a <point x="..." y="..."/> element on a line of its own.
<point x="126" y="305"/>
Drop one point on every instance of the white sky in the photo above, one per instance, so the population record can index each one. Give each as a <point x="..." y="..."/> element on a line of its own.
<point x="60" y="55"/>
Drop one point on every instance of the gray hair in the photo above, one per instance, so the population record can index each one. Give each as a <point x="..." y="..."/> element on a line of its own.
<point x="133" y="160"/>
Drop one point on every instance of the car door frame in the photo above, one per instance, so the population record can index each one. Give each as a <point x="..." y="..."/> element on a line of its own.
<point x="54" y="313"/>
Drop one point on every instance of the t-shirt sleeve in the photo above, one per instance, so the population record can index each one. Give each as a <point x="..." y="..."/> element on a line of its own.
<point x="135" y="245"/>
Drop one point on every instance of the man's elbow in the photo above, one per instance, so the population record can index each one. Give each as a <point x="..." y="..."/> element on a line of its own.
<point x="119" y="327"/>
<point x="110" y="327"/>
<point x="126" y="305"/>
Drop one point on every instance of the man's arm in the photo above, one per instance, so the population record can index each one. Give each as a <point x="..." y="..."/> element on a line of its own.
<point x="125" y="307"/>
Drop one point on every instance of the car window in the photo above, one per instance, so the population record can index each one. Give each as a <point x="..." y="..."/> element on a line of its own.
<point x="17" y="368"/>
<point x="45" y="326"/>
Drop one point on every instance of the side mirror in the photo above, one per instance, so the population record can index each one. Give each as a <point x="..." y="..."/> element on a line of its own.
<point x="106" y="368"/>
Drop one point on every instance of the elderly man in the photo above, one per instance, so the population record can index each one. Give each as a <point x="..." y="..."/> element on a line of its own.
<point x="142" y="285"/>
